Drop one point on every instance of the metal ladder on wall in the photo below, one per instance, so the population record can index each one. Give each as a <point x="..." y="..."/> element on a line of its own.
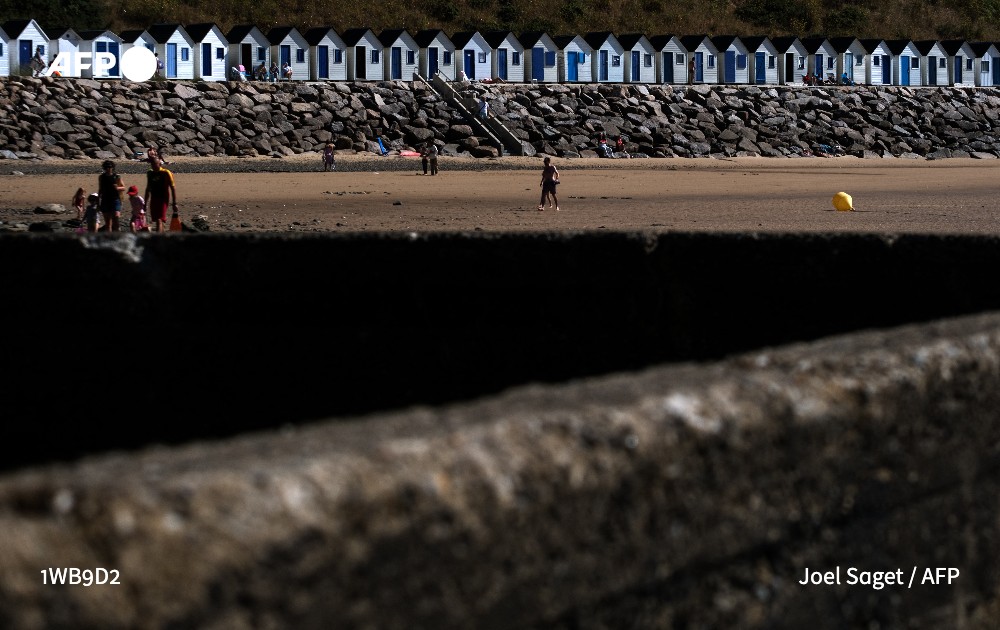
<point x="499" y="136"/>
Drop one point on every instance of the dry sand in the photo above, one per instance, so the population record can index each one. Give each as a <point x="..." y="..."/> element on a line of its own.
<point x="379" y="194"/>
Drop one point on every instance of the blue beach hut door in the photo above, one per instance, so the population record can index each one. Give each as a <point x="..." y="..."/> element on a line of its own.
<point x="759" y="70"/>
<point x="432" y="61"/>
<point x="396" y="64"/>
<point x="171" y="61"/>
<point x="635" y="65"/>
<point x="904" y="70"/>
<point x="538" y="64"/>
<point x="502" y="63"/>
<point x="668" y="67"/>
<point x="470" y="64"/>
<point x="730" y="73"/>
<point x="206" y="60"/>
<point x="322" y="62"/>
<point x="572" y="66"/>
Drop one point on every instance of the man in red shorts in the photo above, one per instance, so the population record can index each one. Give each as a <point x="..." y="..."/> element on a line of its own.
<point x="160" y="193"/>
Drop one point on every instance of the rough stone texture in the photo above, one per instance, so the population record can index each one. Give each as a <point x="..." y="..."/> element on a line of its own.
<point x="80" y="118"/>
<point x="689" y="495"/>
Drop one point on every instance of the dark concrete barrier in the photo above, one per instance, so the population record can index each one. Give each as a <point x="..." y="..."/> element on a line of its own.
<point x="121" y="342"/>
<point x="684" y="496"/>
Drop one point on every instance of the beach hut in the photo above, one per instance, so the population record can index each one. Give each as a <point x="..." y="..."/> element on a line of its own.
<point x="792" y="60"/>
<point x="986" y="64"/>
<point x="607" y="58"/>
<point x="64" y="40"/>
<point x="326" y="54"/>
<point x="364" y="55"/>
<point x="474" y="55"/>
<point x="137" y="37"/>
<point x="878" y="63"/>
<point x="4" y="53"/>
<point x="28" y="38"/>
<point x="905" y="61"/>
<point x="933" y="62"/>
<point x="508" y="56"/>
<point x="101" y="42"/>
<point x="437" y="53"/>
<point x="822" y="58"/>
<point x="763" y="57"/>
<point x="573" y="60"/>
<point x="640" y="64"/>
<point x="734" y="63"/>
<point x="701" y="50"/>
<point x="210" y="52"/>
<point x="289" y="46"/>
<point x="400" y="52"/>
<point x="671" y="59"/>
<point x="248" y="47"/>
<point x="960" y="62"/>
<point x="173" y="46"/>
<point x="540" y="63"/>
<point x="850" y="59"/>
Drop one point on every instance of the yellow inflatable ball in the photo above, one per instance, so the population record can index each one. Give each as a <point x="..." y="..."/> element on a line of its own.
<point x="843" y="202"/>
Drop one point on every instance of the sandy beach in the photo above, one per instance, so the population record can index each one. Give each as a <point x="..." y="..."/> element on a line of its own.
<point x="391" y="194"/>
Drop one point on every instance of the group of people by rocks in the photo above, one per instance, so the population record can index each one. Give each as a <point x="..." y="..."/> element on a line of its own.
<point x="605" y="150"/>
<point x="102" y="210"/>
<point x="272" y="74"/>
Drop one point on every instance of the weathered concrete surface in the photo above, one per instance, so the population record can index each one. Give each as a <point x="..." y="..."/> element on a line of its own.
<point x="680" y="496"/>
<point x="234" y="333"/>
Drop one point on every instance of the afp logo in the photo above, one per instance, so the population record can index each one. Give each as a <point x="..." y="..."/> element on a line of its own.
<point x="137" y="63"/>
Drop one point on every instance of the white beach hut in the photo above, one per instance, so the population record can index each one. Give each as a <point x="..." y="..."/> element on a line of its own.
<point x="364" y="55"/>
<point x="508" y="56"/>
<point x="671" y="59"/>
<point x="437" y="53"/>
<point x="878" y="64"/>
<point x="763" y="60"/>
<point x="326" y="54"/>
<point x="703" y="52"/>
<point x="101" y="42"/>
<point x="173" y="46"/>
<point x="64" y="40"/>
<point x="573" y="60"/>
<point x="400" y="50"/>
<point x="850" y="59"/>
<point x="26" y="38"/>
<point x="211" y="52"/>
<point x="4" y="54"/>
<point x="474" y="55"/>
<point x="933" y="62"/>
<point x="248" y="47"/>
<point x="137" y="37"/>
<point x="986" y="64"/>
<point x="822" y="57"/>
<point x="734" y="59"/>
<point x="905" y="61"/>
<point x="640" y="58"/>
<point x="961" y="57"/>
<point x="792" y="57"/>
<point x="540" y="52"/>
<point x="289" y="46"/>
<point x="608" y="57"/>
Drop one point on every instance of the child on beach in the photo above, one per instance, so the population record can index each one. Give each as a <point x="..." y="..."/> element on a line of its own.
<point x="79" y="199"/>
<point x="329" y="158"/>
<point x="138" y="222"/>
<point x="92" y="214"/>
<point x="550" y="179"/>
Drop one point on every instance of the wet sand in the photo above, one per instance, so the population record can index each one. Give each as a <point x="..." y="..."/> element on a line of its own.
<point x="390" y="194"/>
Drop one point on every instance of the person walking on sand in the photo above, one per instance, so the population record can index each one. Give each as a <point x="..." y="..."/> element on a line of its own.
<point x="432" y="155"/>
<point x="550" y="179"/>
<point x="138" y="221"/>
<point x="160" y="192"/>
<point x="79" y="200"/>
<point x="425" y="155"/>
<point x="109" y="190"/>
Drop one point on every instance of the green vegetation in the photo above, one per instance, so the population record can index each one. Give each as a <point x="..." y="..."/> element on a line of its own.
<point x="890" y="19"/>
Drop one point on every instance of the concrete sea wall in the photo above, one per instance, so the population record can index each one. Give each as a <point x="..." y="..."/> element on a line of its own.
<point x="329" y="467"/>
<point x="63" y="118"/>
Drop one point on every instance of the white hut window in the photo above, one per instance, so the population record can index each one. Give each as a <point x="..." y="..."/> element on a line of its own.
<point x="515" y="58"/>
<point x="942" y="63"/>
<point x="410" y="57"/>
<point x="446" y="57"/>
<point x="877" y="60"/>
<point x="261" y="54"/>
<point x="914" y="62"/>
<point x="482" y="57"/>
<point x="771" y="61"/>
<point x="968" y="63"/>
<point x="647" y="61"/>
<point x="802" y="63"/>
<point x="985" y="66"/>
<point x="338" y="55"/>
<point x="550" y="59"/>
<point x="1" y="49"/>
<point x="616" y="61"/>
<point x="679" y="59"/>
<point x="741" y="62"/>
<point x="300" y="55"/>
<point x="184" y="54"/>
<point x="829" y="63"/>
<point x="859" y="60"/>
<point x="581" y="59"/>
<point x="711" y="61"/>
<point x="220" y="53"/>
<point x="375" y="56"/>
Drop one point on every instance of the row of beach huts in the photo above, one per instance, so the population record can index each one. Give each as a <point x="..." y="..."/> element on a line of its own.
<point x="204" y="52"/>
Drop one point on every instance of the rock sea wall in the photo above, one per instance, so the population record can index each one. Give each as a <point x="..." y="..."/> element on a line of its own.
<point x="79" y="118"/>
